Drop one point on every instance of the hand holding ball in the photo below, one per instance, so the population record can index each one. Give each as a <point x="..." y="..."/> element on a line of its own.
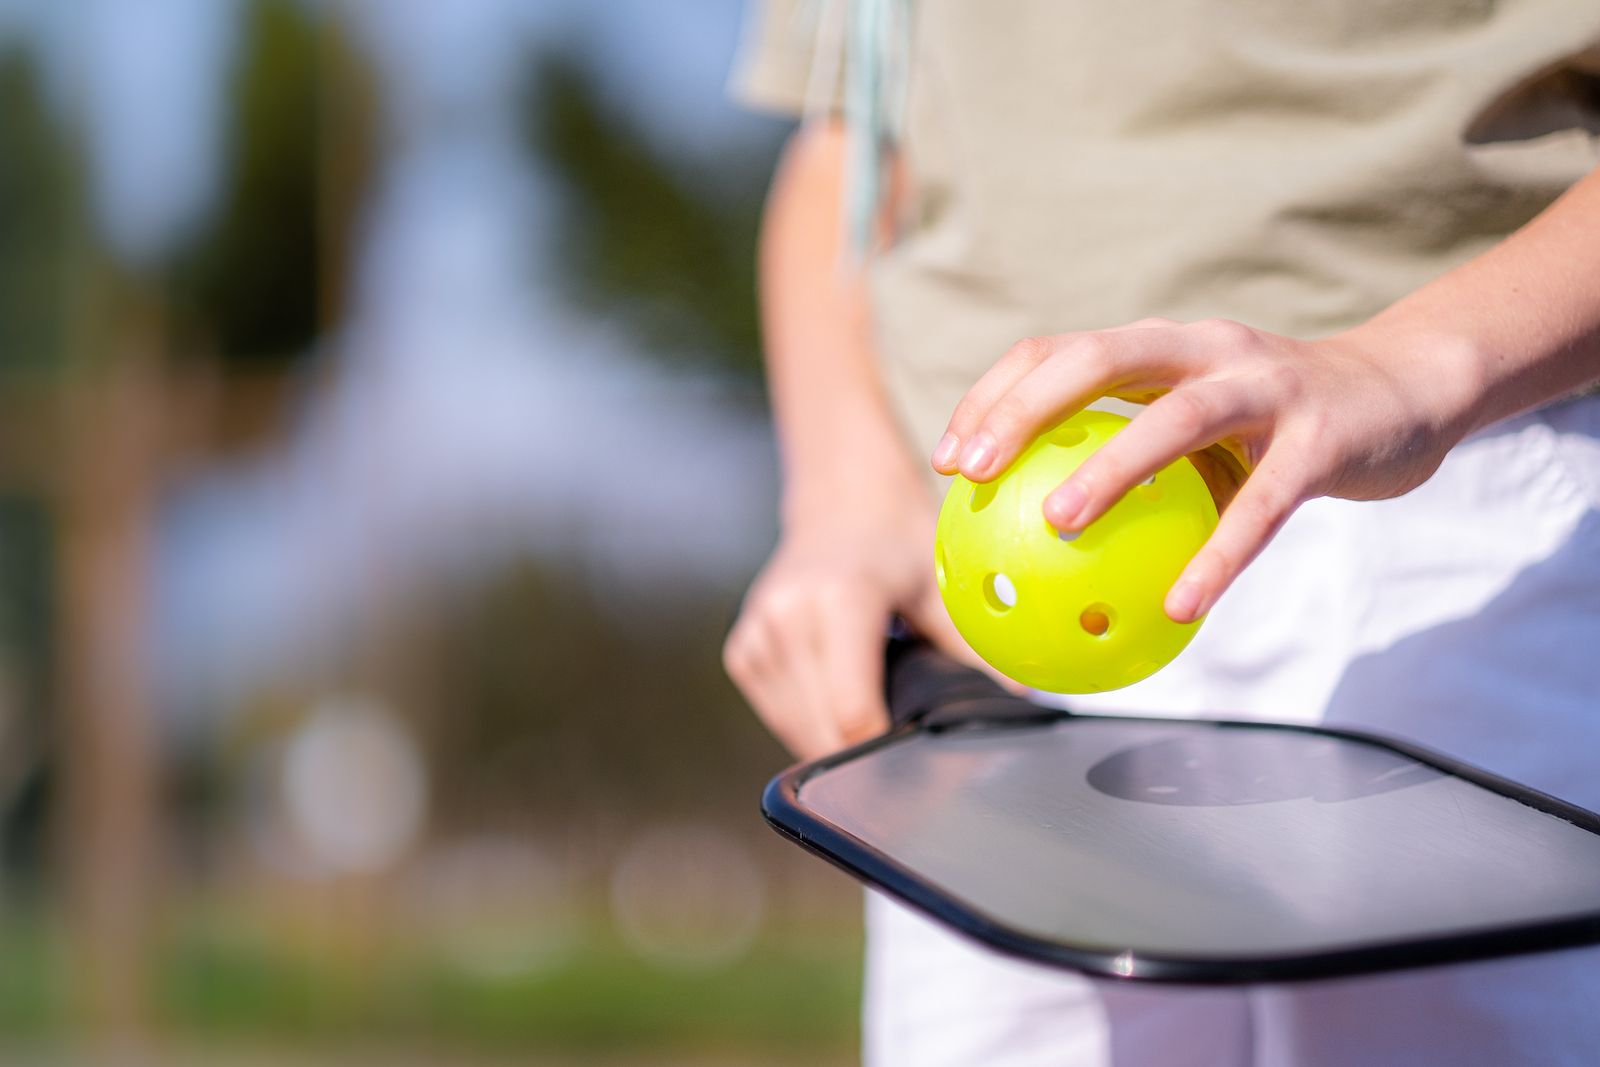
<point x="1062" y="612"/>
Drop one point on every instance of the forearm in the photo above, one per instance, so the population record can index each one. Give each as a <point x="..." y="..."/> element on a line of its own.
<point x="857" y="537"/>
<point x="1517" y="326"/>
<point x="833" y="419"/>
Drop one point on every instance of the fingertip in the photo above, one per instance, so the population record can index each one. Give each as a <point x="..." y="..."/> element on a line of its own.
<point x="945" y="453"/>
<point x="1064" y="508"/>
<point x="978" y="457"/>
<point x="1186" y="601"/>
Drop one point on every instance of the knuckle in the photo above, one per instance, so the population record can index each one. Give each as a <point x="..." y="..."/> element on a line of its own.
<point x="1227" y="332"/>
<point x="782" y="607"/>
<point x="968" y="413"/>
<point x="738" y="658"/>
<point x="1224" y="561"/>
<point x="1315" y="429"/>
<point x="1093" y="352"/>
<point x="1265" y="508"/>
<point x="1031" y="351"/>
<point x="1105" y="467"/>
<point x="859" y="720"/>
<point x="1010" y="415"/>
<point x="1190" y="412"/>
<point x="1283" y="380"/>
<point x="1154" y="322"/>
<point x="1108" y="478"/>
<point x="733" y="661"/>
<point x="1230" y="553"/>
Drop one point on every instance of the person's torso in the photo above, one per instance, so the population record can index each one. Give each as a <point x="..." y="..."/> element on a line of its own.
<point x="1294" y="164"/>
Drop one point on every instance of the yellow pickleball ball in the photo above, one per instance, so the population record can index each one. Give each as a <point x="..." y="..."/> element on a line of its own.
<point x="1063" y="613"/>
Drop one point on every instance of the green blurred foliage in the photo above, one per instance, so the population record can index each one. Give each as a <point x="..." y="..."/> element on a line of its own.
<point x="27" y="622"/>
<point x="542" y="700"/>
<point x="792" y="999"/>
<point x="557" y="706"/>
<point x="39" y="201"/>
<point x="32" y="979"/>
<point x="665" y="244"/>
<point x="263" y="279"/>
<point x="788" y="994"/>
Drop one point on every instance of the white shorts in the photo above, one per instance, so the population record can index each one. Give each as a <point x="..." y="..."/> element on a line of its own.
<point x="1465" y="615"/>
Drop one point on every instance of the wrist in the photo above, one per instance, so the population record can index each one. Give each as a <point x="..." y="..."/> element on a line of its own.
<point x="861" y="488"/>
<point x="855" y="498"/>
<point x="1445" y="374"/>
<point x="856" y="456"/>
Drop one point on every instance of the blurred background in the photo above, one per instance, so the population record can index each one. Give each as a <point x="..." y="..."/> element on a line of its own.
<point x="382" y="456"/>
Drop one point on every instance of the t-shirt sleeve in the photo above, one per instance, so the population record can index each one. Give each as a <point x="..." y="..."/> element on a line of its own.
<point x="791" y="51"/>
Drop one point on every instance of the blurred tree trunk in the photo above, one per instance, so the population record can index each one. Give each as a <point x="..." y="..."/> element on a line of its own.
<point x="111" y="421"/>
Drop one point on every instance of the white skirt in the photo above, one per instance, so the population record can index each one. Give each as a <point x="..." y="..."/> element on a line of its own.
<point x="1465" y="615"/>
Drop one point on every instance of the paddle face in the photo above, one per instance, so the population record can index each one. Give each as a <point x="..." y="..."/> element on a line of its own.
<point x="1198" y="851"/>
<point x="1079" y="614"/>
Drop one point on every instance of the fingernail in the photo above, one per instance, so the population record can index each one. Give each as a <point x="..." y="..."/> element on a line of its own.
<point x="944" y="453"/>
<point x="1062" y="506"/>
<point x="1183" y="603"/>
<point x="979" y="454"/>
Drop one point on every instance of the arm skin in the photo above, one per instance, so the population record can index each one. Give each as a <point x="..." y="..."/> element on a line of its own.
<point x="1366" y="414"/>
<point x="856" y="539"/>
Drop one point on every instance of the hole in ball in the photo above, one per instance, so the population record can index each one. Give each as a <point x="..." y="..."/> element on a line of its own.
<point x="999" y="591"/>
<point x="1096" y="620"/>
<point x="1067" y="436"/>
<point x="982" y="494"/>
<point x="1069" y="535"/>
<point x="938" y="564"/>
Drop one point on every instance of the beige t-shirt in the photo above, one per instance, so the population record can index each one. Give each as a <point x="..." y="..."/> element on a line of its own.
<point x="1293" y="164"/>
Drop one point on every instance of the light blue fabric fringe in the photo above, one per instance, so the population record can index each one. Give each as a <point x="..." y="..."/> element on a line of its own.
<point x="874" y="105"/>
